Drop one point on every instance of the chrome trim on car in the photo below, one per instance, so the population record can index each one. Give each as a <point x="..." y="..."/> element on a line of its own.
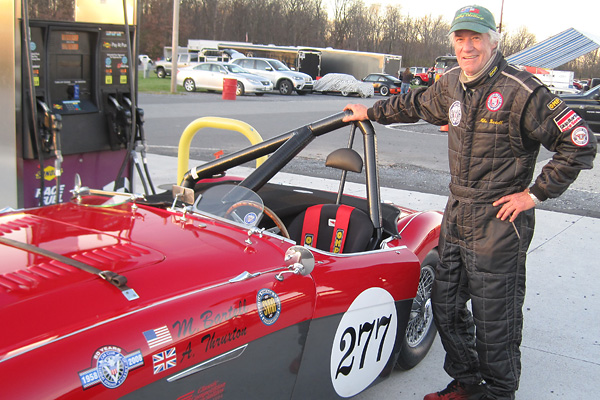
<point x="35" y="346"/>
<point x="229" y="356"/>
<point x="411" y="220"/>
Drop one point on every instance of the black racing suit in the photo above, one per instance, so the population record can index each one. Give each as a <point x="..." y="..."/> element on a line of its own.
<point x="496" y="125"/>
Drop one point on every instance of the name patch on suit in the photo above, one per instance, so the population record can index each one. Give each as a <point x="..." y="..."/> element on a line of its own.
<point x="567" y="120"/>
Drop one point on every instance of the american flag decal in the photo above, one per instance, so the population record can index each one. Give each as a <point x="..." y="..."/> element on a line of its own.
<point x="157" y="337"/>
<point x="164" y="360"/>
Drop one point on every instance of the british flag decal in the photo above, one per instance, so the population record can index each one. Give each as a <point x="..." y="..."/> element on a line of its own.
<point x="164" y="360"/>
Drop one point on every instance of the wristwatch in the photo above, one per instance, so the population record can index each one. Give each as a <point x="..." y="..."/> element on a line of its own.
<point x="536" y="201"/>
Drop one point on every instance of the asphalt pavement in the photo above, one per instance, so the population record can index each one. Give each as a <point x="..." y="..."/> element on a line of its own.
<point x="561" y="338"/>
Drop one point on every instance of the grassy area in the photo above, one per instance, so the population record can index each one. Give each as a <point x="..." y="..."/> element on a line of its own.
<point x="153" y="84"/>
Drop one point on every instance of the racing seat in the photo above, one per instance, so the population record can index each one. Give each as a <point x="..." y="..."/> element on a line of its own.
<point x="337" y="228"/>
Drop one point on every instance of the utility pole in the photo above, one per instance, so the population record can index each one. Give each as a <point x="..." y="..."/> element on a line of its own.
<point x="175" y="46"/>
<point x="501" y="12"/>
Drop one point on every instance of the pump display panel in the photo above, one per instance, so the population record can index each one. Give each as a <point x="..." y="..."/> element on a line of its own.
<point x="71" y="58"/>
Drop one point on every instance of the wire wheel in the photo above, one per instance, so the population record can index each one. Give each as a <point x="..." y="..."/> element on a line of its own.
<point x="420" y="329"/>
<point x="421" y="315"/>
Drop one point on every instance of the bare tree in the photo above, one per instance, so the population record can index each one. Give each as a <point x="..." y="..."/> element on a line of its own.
<point x="353" y="26"/>
<point x="586" y="66"/>
<point x="155" y="28"/>
<point x="511" y="44"/>
<point x="55" y="10"/>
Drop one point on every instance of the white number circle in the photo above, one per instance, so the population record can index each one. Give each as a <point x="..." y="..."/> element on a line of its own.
<point x="363" y="342"/>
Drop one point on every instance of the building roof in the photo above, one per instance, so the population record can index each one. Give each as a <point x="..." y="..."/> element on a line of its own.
<point x="556" y="50"/>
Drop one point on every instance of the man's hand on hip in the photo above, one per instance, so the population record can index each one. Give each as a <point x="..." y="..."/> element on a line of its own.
<point x="513" y="205"/>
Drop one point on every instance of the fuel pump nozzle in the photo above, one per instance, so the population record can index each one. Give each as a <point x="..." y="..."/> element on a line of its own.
<point x="50" y="125"/>
<point x="119" y="119"/>
<point x="141" y="146"/>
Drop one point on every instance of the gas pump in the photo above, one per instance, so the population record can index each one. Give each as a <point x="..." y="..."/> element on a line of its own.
<point x="76" y="112"/>
<point x="80" y="76"/>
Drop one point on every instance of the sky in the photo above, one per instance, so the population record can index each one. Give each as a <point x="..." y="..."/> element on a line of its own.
<point x="542" y="18"/>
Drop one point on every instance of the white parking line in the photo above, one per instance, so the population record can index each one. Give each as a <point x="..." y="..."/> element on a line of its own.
<point x="401" y="127"/>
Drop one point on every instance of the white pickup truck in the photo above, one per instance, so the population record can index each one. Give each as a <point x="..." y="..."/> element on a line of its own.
<point x="163" y="67"/>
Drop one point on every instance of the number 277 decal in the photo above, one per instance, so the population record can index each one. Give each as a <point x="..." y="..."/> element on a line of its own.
<point x="363" y="342"/>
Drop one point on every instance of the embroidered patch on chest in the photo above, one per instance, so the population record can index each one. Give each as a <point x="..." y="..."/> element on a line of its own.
<point x="494" y="101"/>
<point x="455" y="113"/>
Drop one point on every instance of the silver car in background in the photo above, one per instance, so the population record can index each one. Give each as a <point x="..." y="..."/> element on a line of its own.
<point x="210" y="75"/>
<point x="284" y="79"/>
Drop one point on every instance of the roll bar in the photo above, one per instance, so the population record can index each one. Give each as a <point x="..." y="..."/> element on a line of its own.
<point x="285" y="147"/>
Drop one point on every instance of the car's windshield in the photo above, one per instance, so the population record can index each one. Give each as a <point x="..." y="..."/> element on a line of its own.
<point x="236" y="69"/>
<point x="232" y="202"/>
<point x="278" y="65"/>
<point x="595" y="89"/>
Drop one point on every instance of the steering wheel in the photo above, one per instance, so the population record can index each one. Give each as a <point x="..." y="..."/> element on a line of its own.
<point x="262" y="208"/>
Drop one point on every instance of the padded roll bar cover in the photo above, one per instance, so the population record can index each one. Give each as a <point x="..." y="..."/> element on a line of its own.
<point x="345" y="159"/>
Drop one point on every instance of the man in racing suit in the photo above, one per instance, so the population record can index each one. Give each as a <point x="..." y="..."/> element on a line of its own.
<point x="498" y="116"/>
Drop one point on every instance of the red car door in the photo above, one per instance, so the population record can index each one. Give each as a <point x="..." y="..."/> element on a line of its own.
<point x="246" y="341"/>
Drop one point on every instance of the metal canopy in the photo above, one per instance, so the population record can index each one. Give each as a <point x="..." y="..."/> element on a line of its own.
<point x="556" y="50"/>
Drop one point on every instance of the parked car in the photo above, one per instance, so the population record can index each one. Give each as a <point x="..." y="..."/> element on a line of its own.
<point x="587" y="105"/>
<point x="343" y="84"/>
<point x="443" y="63"/>
<point x="284" y="79"/>
<point x="144" y="59"/>
<point x="422" y="75"/>
<point x="210" y="76"/>
<point x="384" y="84"/>
<point x="199" y="291"/>
<point x="592" y="83"/>
<point x="163" y="67"/>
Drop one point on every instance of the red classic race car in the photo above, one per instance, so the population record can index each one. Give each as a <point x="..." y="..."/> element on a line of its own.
<point x="224" y="287"/>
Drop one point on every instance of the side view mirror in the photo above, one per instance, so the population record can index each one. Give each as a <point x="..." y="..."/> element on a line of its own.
<point x="268" y="69"/>
<point x="299" y="260"/>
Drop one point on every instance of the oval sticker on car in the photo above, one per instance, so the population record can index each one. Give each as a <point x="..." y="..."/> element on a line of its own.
<point x="363" y="342"/>
<point x="268" y="306"/>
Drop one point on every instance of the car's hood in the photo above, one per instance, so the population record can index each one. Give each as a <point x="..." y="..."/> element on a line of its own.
<point x="296" y="73"/>
<point x="159" y="254"/>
